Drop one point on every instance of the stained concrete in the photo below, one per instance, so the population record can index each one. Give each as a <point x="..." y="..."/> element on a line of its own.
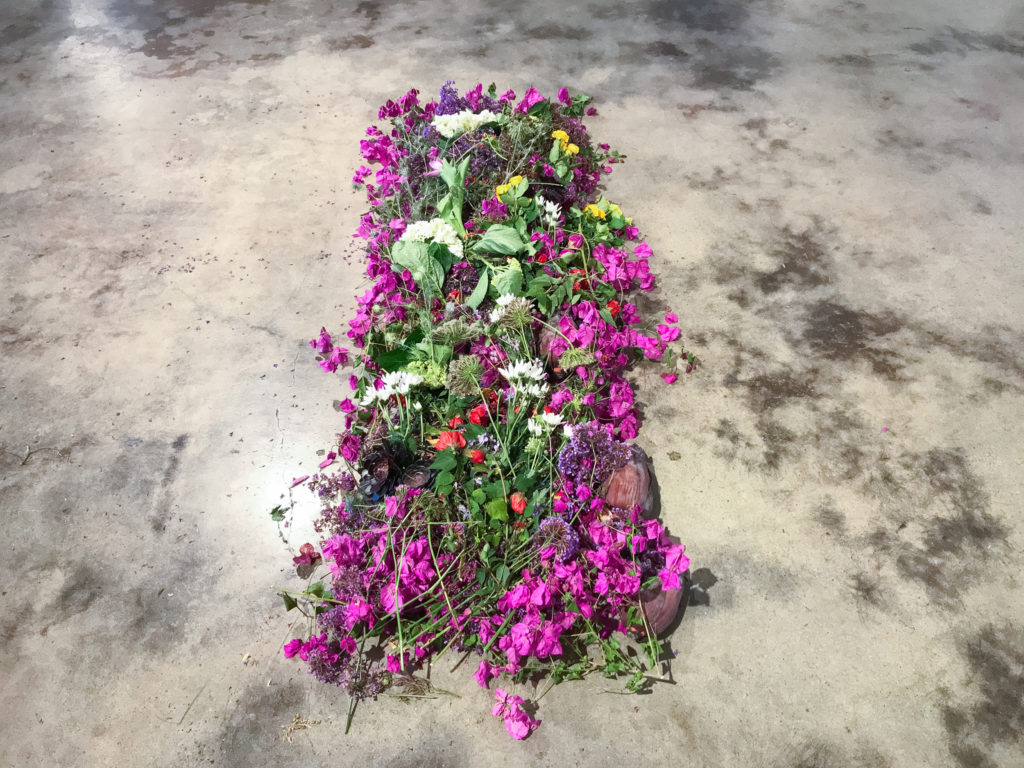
<point x="833" y="193"/>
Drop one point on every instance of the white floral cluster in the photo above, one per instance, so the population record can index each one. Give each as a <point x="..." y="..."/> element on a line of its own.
<point x="546" y="422"/>
<point x="549" y="211"/>
<point x="503" y="303"/>
<point x="526" y="376"/>
<point x="462" y="122"/>
<point x="438" y="230"/>
<point x="394" y="383"/>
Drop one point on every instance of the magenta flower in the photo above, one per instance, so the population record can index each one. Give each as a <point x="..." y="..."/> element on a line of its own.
<point x="517" y="722"/>
<point x="532" y="97"/>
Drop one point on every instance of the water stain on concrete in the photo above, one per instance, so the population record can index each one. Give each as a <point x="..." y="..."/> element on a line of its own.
<point x="253" y="728"/>
<point x="556" y="31"/>
<point x="81" y="589"/>
<point x="348" y="43"/>
<point x="963" y="41"/>
<point x="951" y="535"/>
<point x="804" y="263"/>
<point x="993" y="713"/>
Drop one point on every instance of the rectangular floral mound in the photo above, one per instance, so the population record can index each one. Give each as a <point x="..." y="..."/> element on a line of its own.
<point x="483" y="496"/>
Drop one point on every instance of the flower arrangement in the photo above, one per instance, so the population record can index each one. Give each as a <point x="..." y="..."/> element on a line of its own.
<point x="483" y="496"/>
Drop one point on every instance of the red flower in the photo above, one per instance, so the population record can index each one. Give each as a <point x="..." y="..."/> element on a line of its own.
<point x="479" y="415"/>
<point x="518" y="502"/>
<point x="477" y="456"/>
<point x="614" y="308"/>
<point x="542" y="258"/>
<point x="450" y="439"/>
<point x="456" y="421"/>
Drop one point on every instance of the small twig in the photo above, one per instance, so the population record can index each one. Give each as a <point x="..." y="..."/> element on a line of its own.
<point x="189" y="707"/>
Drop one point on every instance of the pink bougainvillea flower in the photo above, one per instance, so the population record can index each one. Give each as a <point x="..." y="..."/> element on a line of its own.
<point x="299" y="480"/>
<point x="668" y="333"/>
<point x="307" y="555"/>
<point x="510" y="708"/>
<point x="670" y="378"/>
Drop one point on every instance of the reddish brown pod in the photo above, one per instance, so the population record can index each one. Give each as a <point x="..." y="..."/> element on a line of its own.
<point x="632" y="484"/>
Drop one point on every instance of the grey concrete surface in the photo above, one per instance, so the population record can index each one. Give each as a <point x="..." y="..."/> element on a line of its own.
<point x="833" y="190"/>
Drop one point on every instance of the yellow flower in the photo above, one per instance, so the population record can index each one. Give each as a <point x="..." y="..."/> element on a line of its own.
<point x="514" y="181"/>
<point x="562" y="136"/>
<point x="571" y="149"/>
<point x="594" y="211"/>
<point x="501" y="189"/>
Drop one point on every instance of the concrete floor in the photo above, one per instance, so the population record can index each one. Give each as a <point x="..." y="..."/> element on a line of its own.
<point x="833" y="192"/>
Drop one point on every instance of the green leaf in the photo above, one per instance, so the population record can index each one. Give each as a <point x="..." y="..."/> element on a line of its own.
<point x="445" y="460"/>
<point x="479" y="293"/>
<point x="316" y="588"/>
<point x="495" y="490"/>
<point x="502" y="573"/>
<point x="442" y="255"/>
<point x="607" y="317"/>
<point x="497" y="509"/>
<point x="524" y="483"/>
<point x="277" y="513"/>
<point x="444" y="480"/>
<point x="394" y="359"/>
<point x="289" y="602"/>
<point x="555" y="151"/>
<point x="479" y="496"/>
<point x="510" y="279"/>
<point x="499" y="238"/>
<point x="426" y="271"/>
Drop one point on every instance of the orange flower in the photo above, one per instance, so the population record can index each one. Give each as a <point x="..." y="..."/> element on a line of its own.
<point x="518" y="502"/>
<point x="450" y="439"/>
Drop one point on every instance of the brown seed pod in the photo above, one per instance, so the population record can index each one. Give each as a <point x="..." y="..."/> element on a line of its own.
<point x="661" y="608"/>
<point x="417" y="476"/>
<point x="631" y="484"/>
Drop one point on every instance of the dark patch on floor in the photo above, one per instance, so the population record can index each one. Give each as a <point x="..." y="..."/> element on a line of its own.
<point x="348" y="43"/>
<point x="437" y="749"/>
<point x="953" y="534"/>
<point x="963" y="41"/>
<point x="253" y="729"/>
<point x="994" y="713"/>
<point x="81" y="589"/>
<point x="706" y="15"/>
<point x="770" y="390"/>
<point x="726" y="430"/>
<point x="639" y="53"/>
<point x="999" y="346"/>
<point x="804" y="263"/>
<point x="830" y="518"/>
<point x="852" y="61"/>
<point x="777" y="444"/>
<point x="738" y="67"/>
<point x="555" y="31"/>
<point x="866" y="588"/>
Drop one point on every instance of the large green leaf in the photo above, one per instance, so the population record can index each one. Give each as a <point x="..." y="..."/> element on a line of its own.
<point x="426" y="271"/>
<point x="500" y="238"/>
<point x="479" y="292"/>
<point x="510" y="278"/>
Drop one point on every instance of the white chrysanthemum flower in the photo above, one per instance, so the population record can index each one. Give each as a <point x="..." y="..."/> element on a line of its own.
<point x="524" y="370"/>
<point x="400" y="382"/>
<point x="552" y="419"/>
<point x="567" y="430"/>
<point x="549" y="211"/>
<point x="535" y="390"/>
<point x="462" y="122"/>
<point x="436" y="230"/>
<point x="534" y="427"/>
<point x="505" y="299"/>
